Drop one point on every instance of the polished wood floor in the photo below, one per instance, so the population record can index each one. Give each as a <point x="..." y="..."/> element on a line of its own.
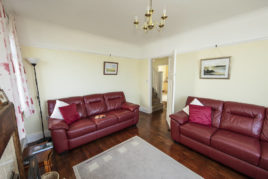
<point x="152" y="128"/>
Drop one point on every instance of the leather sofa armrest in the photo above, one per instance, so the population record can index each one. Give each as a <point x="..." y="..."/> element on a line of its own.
<point x="130" y="106"/>
<point x="181" y="117"/>
<point x="57" y="124"/>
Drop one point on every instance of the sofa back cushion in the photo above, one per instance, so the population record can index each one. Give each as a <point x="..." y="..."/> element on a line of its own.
<point x="216" y="108"/>
<point x="95" y="104"/>
<point x="80" y="106"/>
<point x="243" y="118"/>
<point x="264" y="134"/>
<point x="114" y="100"/>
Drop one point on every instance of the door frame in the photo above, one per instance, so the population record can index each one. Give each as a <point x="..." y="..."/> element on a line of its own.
<point x="150" y="85"/>
<point x="171" y="92"/>
<point x="150" y="73"/>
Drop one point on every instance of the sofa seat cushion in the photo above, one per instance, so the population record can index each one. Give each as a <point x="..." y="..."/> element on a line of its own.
<point x="199" y="132"/>
<point x="81" y="127"/>
<point x="122" y="114"/>
<point x="107" y="121"/>
<point x="264" y="156"/>
<point x="238" y="145"/>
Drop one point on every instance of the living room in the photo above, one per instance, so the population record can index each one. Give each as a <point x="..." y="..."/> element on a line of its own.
<point x="99" y="56"/>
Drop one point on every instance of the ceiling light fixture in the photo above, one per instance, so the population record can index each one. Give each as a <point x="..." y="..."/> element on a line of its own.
<point x="149" y="24"/>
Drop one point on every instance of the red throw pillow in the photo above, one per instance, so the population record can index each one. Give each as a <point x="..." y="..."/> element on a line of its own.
<point x="69" y="113"/>
<point x="200" y="114"/>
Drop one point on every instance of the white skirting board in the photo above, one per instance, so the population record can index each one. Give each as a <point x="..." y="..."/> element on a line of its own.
<point x="147" y="110"/>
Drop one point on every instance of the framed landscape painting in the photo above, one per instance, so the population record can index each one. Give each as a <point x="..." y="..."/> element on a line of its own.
<point x="215" y="68"/>
<point x="110" y="68"/>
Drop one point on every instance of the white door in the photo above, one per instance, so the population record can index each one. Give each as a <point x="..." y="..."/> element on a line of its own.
<point x="171" y="86"/>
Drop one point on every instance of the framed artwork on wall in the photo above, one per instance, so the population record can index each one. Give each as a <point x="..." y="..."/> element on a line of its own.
<point x="110" y="68"/>
<point x="3" y="98"/>
<point x="215" y="68"/>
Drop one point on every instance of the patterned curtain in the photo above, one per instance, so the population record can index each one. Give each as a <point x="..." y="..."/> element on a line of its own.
<point x="12" y="73"/>
<point x="25" y="99"/>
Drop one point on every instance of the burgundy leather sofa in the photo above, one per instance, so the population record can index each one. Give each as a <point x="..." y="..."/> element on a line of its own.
<point x="238" y="137"/>
<point x="119" y="115"/>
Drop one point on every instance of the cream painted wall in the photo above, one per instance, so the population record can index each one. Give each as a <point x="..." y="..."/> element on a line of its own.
<point x="159" y="61"/>
<point x="64" y="73"/>
<point x="248" y="82"/>
<point x="144" y="86"/>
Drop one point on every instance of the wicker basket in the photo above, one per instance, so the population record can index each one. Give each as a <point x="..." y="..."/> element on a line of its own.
<point x="51" y="175"/>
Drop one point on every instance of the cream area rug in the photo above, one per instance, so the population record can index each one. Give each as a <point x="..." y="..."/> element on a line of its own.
<point x="132" y="159"/>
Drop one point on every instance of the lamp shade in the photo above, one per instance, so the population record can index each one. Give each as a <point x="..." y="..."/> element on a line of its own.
<point x="33" y="61"/>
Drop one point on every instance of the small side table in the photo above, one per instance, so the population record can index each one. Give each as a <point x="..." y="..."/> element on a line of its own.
<point x="44" y="158"/>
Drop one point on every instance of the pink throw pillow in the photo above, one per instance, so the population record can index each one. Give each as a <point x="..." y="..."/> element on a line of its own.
<point x="69" y="113"/>
<point x="200" y="114"/>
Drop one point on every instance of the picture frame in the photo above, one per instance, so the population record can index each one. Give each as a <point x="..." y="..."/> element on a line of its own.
<point x="110" y="68"/>
<point x="3" y="98"/>
<point x="215" y="68"/>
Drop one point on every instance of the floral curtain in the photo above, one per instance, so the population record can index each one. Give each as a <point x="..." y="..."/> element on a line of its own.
<point x="12" y="73"/>
<point x="25" y="99"/>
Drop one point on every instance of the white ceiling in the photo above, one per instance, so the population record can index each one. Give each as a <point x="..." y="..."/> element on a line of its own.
<point x="114" y="18"/>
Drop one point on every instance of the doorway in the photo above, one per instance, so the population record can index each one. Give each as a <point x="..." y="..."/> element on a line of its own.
<point x="159" y="83"/>
<point x="162" y="98"/>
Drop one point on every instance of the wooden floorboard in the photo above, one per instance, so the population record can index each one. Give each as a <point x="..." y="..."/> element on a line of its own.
<point x="152" y="128"/>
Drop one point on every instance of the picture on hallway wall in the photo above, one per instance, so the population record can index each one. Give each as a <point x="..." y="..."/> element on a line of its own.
<point x="215" y="68"/>
<point x="110" y="68"/>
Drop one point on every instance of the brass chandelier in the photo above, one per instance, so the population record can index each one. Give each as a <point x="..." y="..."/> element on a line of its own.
<point x="149" y="24"/>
